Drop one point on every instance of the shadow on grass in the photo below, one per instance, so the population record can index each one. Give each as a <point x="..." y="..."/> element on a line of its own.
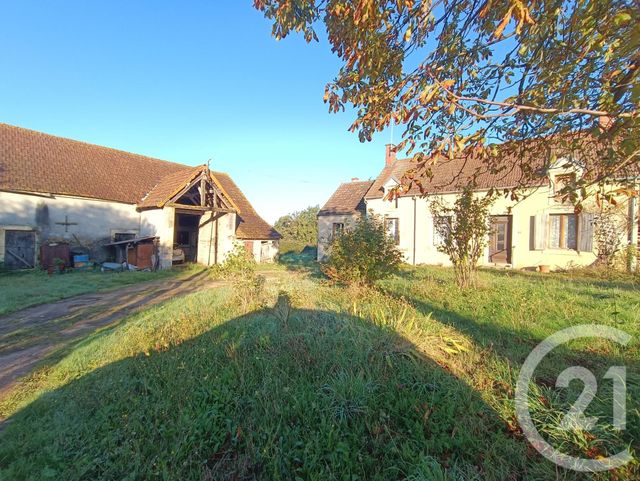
<point x="512" y="346"/>
<point x="319" y="395"/>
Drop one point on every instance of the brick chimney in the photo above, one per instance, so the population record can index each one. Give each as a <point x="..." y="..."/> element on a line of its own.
<point x="605" y="122"/>
<point x="390" y="154"/>
<point x="354" y="179"/>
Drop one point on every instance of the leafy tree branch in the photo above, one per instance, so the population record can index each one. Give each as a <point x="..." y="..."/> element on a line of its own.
<point x="463" y="75"/>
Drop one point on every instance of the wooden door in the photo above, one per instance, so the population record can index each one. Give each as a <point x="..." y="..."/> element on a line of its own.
<point x="500" y="239"/>
<point x="19" y="249"/>
<point x="144" y="253"/>
<point x="264" y="252"/>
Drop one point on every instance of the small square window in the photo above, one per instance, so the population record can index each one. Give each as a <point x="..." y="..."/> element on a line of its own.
<point x="121" y="236"/>
<point x="338" y="228"/>
<point x="562" y="182"/>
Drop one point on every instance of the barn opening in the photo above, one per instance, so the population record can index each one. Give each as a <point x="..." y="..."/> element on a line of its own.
<point x="193" y="224"/>
<point x="198" y="206"/>
<point x="186" y="230"/>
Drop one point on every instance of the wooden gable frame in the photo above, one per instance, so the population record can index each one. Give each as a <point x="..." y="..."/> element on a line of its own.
<point x="214" y="198"/>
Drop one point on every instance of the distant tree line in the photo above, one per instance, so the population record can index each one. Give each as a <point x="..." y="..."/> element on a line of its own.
<point x="301" y="226"/>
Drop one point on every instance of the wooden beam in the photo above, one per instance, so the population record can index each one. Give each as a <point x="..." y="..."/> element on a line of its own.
<point x="198" y="208"/>
<point x="183" y="191"/>
<point x="203" y="191"/>
<point x="209" y="194"/>
<point x="188" y="207"/>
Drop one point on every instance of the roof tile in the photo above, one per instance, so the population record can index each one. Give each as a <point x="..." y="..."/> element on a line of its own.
<point x="452" y="176"/>
<point x="347" y="199"/>
<point x="33" y="161"/>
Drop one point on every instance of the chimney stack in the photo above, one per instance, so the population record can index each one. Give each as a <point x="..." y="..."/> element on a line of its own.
<point x="605" y="122"/>
<point x="390" y="154"/>
<point x="354" y="179"/>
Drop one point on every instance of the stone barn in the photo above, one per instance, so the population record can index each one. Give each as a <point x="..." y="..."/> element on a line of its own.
<point x="58" y="190"/>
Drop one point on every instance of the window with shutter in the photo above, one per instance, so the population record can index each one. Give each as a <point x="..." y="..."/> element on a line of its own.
<point x="539" y="232"/>
<point x="585" y="233"/>
<point x="563" y="231"/>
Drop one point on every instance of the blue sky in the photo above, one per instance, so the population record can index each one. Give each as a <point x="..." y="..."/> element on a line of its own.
<point x="185" y="81"/>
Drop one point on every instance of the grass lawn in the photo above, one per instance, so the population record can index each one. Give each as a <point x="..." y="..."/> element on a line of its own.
<point x="22" y="289"/>
<point x="413" y="381"/>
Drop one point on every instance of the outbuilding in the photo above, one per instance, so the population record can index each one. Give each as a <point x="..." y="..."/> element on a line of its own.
<point x="54" y="189"/>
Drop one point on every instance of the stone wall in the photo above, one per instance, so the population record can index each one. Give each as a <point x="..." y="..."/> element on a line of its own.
<point x="226" y="225"/>
<point x="86" y="224"/>
<point x="325" y="230"/>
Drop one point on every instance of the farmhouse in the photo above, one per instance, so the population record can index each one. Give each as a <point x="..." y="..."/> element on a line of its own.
<point x="57" y="190"/>
<point x="344" y="206"/>
<point x="538" y="229"/>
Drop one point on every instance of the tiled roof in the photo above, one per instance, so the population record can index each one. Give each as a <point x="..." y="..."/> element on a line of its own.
<point x="168" y="186"/>
<point x="514" y="165"/>
<point x="347" y="199"/>
<point x="452" y="175"/>
<point x="32" y="161"/>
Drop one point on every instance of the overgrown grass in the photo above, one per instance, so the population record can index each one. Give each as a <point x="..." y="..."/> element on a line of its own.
<point x="22" y="289"/>
<point x="299" y="258"/>
<point x="413" y="383"/>
<point x="288" y="245"/>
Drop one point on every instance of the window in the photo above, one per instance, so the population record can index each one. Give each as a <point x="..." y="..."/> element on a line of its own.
<point x="120" y="236"/>
<point x="439" y="223"/>
<point x="561" y="182"/>
<point x="392" y="226"/>
<point x="563" y="231"/>
<point x="338" y="227"/>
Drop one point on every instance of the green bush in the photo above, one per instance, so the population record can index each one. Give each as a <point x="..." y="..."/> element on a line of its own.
<point x="249" y="291"/>
<point x="239" y="267"/>
<point x="362" y="254"/>
<point x="238" y="263"/>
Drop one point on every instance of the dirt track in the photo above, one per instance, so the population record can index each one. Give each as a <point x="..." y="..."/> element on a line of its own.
<point x="29" y="336"/>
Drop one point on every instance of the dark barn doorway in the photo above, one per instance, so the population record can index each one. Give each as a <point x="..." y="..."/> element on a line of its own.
<point x="185" y="234"/>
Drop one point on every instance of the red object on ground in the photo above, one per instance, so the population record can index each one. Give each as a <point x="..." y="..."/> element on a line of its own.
<point x="49" y="253"/>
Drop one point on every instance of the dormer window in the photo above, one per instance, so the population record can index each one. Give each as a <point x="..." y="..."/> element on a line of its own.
<point x="560" y="184"/>
<point x="388" y="186"/>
